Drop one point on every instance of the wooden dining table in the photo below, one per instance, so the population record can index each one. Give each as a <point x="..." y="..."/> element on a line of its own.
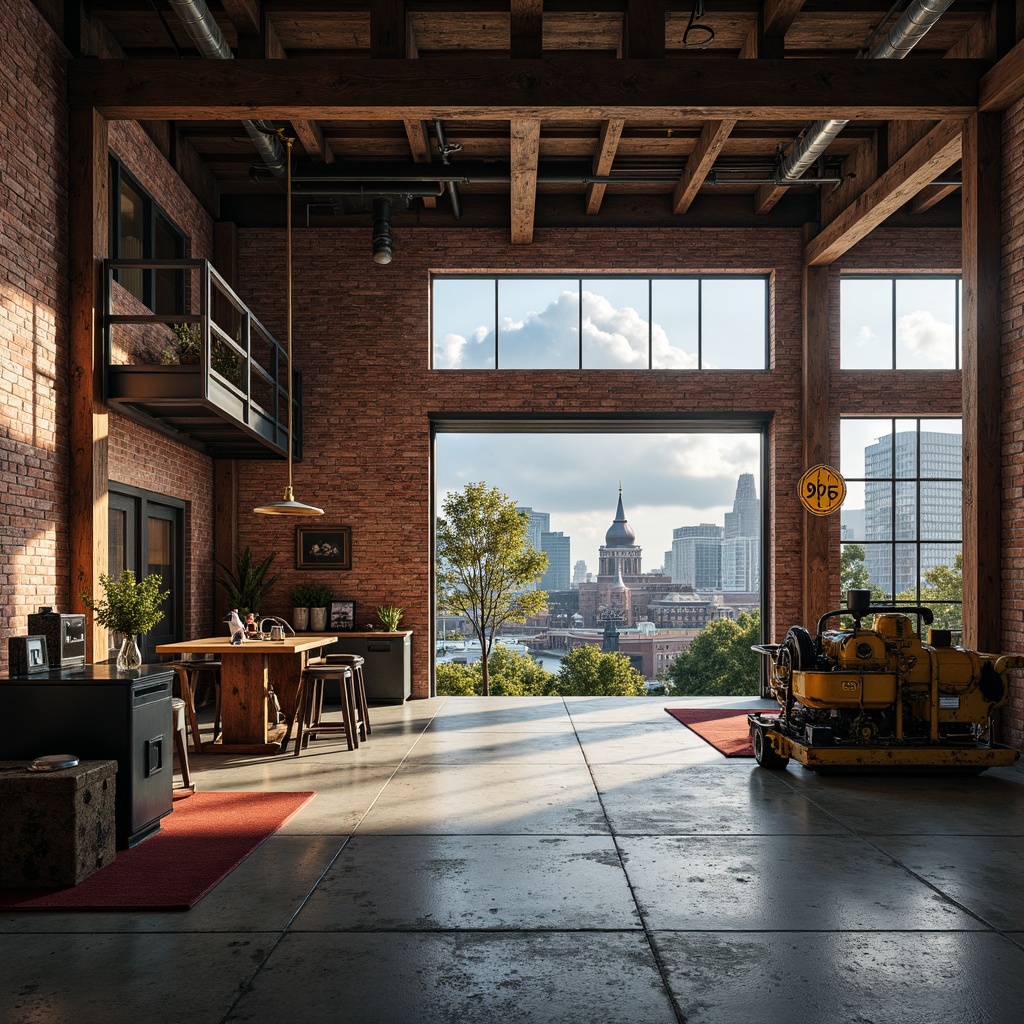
<point x="248" y="670"/>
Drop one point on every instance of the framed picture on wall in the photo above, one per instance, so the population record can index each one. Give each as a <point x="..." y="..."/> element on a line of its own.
<point x="323" y="547"/>
<point x="342" y="616"/>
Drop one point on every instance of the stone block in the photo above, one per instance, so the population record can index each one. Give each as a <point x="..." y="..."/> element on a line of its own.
<point x="58" y="827"/>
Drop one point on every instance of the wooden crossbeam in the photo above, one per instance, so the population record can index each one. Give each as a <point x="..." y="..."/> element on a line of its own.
<point x="1003" y="86"/>
<point x="526" y="29"/>
<point x="525" y="154"/>
<point x="419" y="146"/>
<point x="564" y="88"/>
<point x="712" y="138"/>
<point x="643" y="29"/>
<point x="917" y="168"/>
<point x="611" y="133"/>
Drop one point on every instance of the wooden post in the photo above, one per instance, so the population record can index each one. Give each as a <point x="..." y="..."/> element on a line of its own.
<point x="814" y="388"/>
<point x="982" y="383"/>
<point x="88" y="217"/>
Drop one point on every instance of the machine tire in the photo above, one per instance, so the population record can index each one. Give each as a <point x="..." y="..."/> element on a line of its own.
<point x="801" y="648"/>
<point x="764" y="752"/>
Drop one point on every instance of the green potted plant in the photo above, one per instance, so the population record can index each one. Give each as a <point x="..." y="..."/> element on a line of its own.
<point x="248" y="586"/>
<point x="300" y="605"/>
<point x="319" y="596"/>
<point x="390" y="616"/>
<point x="128" y="607"/>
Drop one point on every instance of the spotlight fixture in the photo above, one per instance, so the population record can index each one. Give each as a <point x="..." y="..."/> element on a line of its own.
<point x="383" y="241"/>
<point x="288" y="506"/>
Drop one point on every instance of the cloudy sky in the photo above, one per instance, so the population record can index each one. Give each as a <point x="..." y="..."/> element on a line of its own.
<point x="668" y="480"/>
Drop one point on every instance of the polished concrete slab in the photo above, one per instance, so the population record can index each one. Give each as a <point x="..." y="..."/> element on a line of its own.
<point x="580" y="860"/>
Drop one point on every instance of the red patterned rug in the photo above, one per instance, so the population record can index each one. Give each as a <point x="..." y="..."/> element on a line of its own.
<point x="202" y="840"/>
<point x="725" y="729"/>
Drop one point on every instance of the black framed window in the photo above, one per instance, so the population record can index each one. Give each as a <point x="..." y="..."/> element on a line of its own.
<point x="600" y="322"/>
<point x="140" y="230"/>
<point x="146" y="533"/>
<point x="902" y="518"/>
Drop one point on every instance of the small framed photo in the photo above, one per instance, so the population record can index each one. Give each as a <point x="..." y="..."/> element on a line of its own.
<point x="323" y="547"/>
<point x="27" y="654"/>
<point x="342" y="616"/>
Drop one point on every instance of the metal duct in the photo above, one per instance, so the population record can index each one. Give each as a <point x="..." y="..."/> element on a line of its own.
<point x="204" y="31"/>
<point x="908" y="31"/>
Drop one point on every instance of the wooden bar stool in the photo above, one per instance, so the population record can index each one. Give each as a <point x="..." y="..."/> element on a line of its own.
<point x="355" y="662"/>
<point x="309" y="706"/>
<point x="180" y="743"/>
<point x="188" y="671"/>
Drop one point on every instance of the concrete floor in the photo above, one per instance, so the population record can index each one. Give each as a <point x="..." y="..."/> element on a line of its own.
<point x="587" y="860"/>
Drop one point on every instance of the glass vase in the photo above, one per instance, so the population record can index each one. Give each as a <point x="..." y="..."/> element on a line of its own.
<point x="129" y="657"/>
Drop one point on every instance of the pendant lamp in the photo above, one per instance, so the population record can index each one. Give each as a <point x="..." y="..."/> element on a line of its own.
<point x="288" y="506"/>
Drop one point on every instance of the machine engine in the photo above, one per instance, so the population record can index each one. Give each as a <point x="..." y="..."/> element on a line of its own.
<point x="881" y="697"/>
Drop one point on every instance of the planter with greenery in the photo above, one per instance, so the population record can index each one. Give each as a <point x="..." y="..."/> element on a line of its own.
<point x="129" y="608"/>
<point x="319" y="596"/>
<point x="248" y="585"/>
<point x="390" y="616"/>
<point x="299" y="596"/>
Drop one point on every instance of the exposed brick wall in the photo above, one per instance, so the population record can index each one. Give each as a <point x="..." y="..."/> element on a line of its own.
<point x="33" y="320"/>
<point x="1013" y="413"/>
<point x="146" y="458"/>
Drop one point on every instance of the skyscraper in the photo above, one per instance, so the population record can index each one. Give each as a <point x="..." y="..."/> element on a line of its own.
<point x="697" y="556"/>
<point x="741" y="540"/>
<point x="556" y="576"/>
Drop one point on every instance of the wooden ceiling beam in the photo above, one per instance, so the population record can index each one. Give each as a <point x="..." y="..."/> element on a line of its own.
<point x="419" y="146"/>
<point x="244" y="15"/>
<point x="643" y="29"/>
<point x="712" y="138"/>
<point x="1003" y="86"/>
<point x="526" y="30"/>
<point x="525" y="155"/>
<point x="915" y="170"/>
<point x="388" y="36"/>
<point x="552" y="89"/>
<point x="611" y="133"/>
<point x="930" y="196"/>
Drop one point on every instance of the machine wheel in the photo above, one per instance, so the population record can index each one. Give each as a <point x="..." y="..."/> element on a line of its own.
<point x="764" y="752"/>
<point x="801" y="648"/>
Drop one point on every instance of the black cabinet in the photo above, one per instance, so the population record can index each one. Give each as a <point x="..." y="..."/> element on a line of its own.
<point x="388" y="663"/>
<point x="94" y="713"/>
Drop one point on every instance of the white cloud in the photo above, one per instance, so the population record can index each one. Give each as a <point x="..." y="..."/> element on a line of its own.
<point x="931" y="340"/>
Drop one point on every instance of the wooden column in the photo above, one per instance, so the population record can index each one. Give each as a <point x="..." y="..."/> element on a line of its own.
<point x="88" y="218"/>
<point x="815" y="415"/>
<point x="982" y="383"/>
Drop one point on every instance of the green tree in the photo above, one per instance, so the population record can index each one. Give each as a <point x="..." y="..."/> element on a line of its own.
<point x="585" y="671"/>
<point x="853" y="573"/>
<point x="484" y="564"/>
<point x="720" y="662"/>
<point x="945" y="583"/>
<point x="509" y="675"/>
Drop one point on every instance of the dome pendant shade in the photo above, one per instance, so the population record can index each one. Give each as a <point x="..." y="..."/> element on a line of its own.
<point x="288" y="506"/>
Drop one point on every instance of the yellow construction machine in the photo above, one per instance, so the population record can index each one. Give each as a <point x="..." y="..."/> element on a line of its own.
<point x="880" y="698"/>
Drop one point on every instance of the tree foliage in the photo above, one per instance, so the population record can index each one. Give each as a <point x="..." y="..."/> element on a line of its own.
<point x="509" y="675"/>
<point x="720" y="662"/>
<point x="853" y="573"/>
<point x="484" y="564"/>
<point x="944" y="583"/>
<point x="128" y="606"/>
<point x="586" y="671"/>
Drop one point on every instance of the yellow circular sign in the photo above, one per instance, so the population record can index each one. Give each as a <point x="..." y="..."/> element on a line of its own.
<point x="822" y="490"/>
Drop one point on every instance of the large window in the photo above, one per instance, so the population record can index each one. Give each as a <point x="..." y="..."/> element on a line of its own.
<point x="900" y="323"/>
<point x="600" y="323"/>
<point x="140" y="230"/>
<point x="901" y="523"/>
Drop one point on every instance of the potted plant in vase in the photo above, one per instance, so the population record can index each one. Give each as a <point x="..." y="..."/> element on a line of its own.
<point x="390" y="616"/>
<point x="319" y="596"/>
<point x="130" y="608"/>
<point x="248" y="586"/>
<point x="300" y="606"/>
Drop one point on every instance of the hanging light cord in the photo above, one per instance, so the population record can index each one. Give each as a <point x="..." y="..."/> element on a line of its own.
<point x="287" y="140"/>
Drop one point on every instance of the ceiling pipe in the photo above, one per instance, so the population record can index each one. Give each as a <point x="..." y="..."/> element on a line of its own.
<point x="204" y="31"/>
<point x="908" y="31"/>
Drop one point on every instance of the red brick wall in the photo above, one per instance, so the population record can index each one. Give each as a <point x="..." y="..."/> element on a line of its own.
<point x="1013" y="413"/>
<point x="146" y="458"/>
<point x="33" y="321"/>
<point x="361" y="337"/>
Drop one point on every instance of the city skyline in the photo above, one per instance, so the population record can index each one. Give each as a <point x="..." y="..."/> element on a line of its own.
<point x="668" y="480"/>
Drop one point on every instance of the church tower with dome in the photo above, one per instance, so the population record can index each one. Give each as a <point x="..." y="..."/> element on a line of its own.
<point x="620" y="555"/>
